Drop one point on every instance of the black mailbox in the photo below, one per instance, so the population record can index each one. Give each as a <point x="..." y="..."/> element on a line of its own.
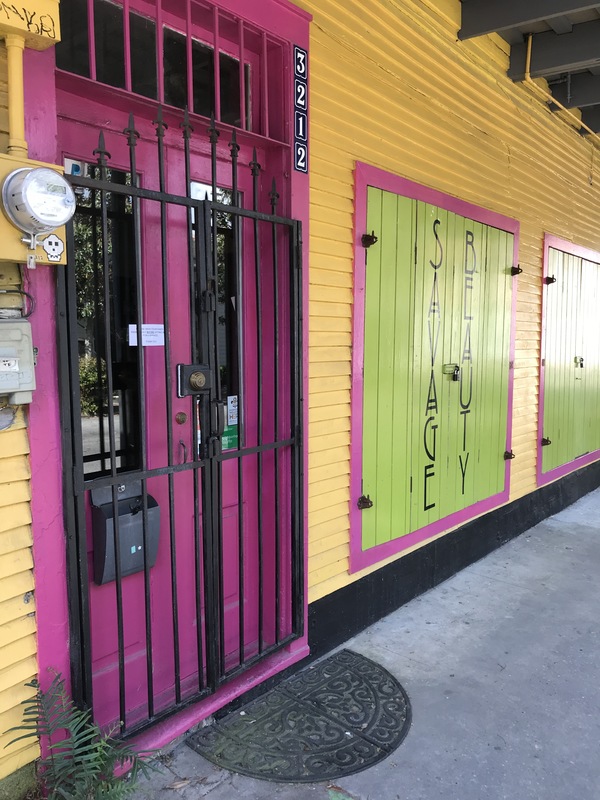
<point x="131" y="531"/>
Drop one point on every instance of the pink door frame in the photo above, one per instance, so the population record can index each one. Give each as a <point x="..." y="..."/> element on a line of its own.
<point x="49" y="536"/>
<point x="365" y="176"/>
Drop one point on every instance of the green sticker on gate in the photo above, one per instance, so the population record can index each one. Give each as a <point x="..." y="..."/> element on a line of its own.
<point x="230" y="437"/>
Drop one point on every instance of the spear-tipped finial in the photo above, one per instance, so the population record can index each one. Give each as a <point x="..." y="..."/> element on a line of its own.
<point x="131" y="133"/>
<point x="186" y="126"/>
<point x="161" y="125"/>
<point x="254" y="165"/>
<point x="213" y="133"/>
<point x="101" y="151"/>
<point x="233" y="145"/>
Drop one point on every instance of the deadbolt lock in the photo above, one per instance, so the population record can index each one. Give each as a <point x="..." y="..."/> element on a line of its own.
<point x="197" y="381"/>
<point x="193" y="379"/>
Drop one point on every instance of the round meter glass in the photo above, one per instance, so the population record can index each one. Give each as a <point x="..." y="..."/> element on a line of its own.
<point x="38" y="200"/>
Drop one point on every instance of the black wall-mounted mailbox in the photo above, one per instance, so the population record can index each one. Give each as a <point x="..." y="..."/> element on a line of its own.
<point x="131" y="531"/>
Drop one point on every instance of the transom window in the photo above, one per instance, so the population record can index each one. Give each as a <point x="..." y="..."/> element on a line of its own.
<point x="185" y="54"/>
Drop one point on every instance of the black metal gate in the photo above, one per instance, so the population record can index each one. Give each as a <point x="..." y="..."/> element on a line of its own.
<point x="181" y="383"/>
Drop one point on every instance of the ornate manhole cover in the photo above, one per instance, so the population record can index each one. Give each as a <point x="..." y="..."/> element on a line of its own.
<point x="340" y="716"/>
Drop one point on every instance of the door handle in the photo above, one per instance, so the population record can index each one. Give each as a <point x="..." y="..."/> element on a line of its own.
<point x="220" y="418"/>
<point x="184" y="450"/>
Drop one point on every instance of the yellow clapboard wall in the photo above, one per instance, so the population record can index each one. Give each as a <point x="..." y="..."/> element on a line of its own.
<point x="3" y="100"/>
<point x="17" y="609"/>
<point x="390" y="85"/>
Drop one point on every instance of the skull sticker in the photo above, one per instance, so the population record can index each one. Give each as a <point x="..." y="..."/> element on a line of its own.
<point x="53" y="247"/>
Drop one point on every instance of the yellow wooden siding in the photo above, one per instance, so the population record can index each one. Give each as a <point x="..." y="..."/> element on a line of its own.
<point x="18" y="663"/>
<point x="391" y="86"/>
<point x="3" y="100"/>
<point x="17" y="608"/>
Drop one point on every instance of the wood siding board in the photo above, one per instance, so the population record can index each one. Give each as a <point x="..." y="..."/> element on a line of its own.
<point x="17" y="621"/>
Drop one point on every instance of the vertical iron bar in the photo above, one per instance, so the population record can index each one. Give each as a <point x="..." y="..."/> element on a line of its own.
<point x="100" y="383"/>
<point x="274" y="198"/>
<point x="160" y="133"/>
<point x="193" y="267"/>
<point x="102" y="161"/>
<point x="297" y="422"/>
<point x="235" y="199"/>
<point x="132" y="137"/>
<point x="77" y="576"/>
<point x="216" y="464"/>
<point x="212" y="571"/>
<point x="255" y="169"/>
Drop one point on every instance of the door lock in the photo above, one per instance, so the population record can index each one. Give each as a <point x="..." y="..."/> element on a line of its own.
<point x="197" y="381"/>
<point x="451" y="369"/>
<point x="193" y="379"/>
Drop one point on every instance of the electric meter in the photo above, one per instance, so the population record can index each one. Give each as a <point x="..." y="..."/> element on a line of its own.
<point x="37" y="200"/>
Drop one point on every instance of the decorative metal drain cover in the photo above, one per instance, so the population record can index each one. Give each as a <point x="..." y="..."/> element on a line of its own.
<point x="340" y="716"/>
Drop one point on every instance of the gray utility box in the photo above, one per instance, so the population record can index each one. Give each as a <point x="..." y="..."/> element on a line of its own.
<point x="131" y="531"/>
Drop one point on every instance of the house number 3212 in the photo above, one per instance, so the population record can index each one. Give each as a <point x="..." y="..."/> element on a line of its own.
<point x="300" y="109"/>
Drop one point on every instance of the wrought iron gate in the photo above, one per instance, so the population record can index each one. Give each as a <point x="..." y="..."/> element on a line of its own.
<point x="181" y="376"/>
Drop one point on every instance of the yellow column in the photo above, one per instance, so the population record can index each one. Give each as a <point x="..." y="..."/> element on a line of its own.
<point x="15" y="46"/>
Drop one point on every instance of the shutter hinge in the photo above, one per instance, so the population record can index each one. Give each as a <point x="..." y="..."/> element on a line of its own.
<point x="364" y="502"/>
<point x="516" y="270"/>
<point x="368" y="239"/>
<point x="549" y="279"/>
<point x="546" y="442"/>
<point x="508" y="455"/>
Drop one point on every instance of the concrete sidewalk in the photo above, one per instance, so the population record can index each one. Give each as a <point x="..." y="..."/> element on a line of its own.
<point x="502" y="667"/>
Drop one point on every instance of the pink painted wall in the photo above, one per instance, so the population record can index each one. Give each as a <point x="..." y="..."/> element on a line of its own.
<point x="366" y="176"/>
<point x="49" y="543"/>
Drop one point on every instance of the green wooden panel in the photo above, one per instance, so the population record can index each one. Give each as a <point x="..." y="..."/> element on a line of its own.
<point x="571" y="332"/>
<point x="552" y="316"/>
<point x="493" y="349"/>
<point x="589" y="430"/>
<point x="388" y="341"/>
<point x="431" y="267"/>
<point x="403" y="357"/>
<point x="451" y="437"/>
<point x="437" y="293"/>
<point x="371" y="365"/>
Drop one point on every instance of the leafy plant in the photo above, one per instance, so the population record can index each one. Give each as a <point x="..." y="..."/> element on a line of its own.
<point x="88" y="385"/>
<point x="81" y="760"/>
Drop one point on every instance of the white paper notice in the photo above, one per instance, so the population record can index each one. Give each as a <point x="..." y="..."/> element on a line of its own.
<point x="152" y="335"/>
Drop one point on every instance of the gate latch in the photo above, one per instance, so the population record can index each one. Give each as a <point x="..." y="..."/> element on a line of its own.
<point x="364" y="502"/>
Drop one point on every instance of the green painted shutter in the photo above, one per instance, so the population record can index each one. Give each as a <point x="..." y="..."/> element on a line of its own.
<point x="437" y="294"/>
<point x="571" y="386"/>
<point x="386" y="373"/>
